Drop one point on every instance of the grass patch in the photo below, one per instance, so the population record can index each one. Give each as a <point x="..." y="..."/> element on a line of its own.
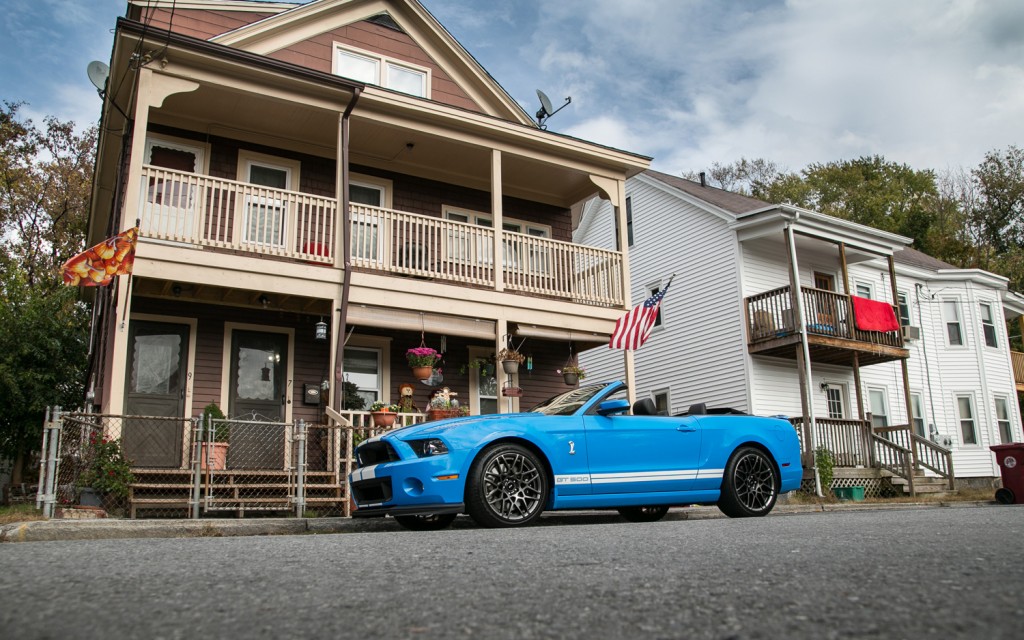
<point x="19" y="513"/>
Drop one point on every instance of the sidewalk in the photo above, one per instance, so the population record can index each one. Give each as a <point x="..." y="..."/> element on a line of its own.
<point x="70" y="529"/>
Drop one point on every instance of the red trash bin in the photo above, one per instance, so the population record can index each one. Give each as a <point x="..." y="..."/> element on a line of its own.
<point x="1011" y="465"/>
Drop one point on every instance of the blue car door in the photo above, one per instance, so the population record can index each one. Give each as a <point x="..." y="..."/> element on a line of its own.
<point x="640" y="454"/>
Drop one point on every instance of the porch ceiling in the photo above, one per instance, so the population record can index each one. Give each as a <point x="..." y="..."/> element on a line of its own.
<point x="229" y="296"/>
<point x="811" y="248"/>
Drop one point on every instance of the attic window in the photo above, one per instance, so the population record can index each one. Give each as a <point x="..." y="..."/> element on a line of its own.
<point x="385" y="20"/>
<point x="374" y="68"/>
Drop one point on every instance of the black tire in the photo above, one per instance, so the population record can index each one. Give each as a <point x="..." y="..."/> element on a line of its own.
<point x="750" y="485"/>
<point x="432" y="522"/>
<point x="643" y="514"/>
<point x="1005" y="496"/>
<point x="507" y="487"/>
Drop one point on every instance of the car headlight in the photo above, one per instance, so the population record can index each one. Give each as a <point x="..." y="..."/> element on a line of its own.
<point x="428" y="447"/>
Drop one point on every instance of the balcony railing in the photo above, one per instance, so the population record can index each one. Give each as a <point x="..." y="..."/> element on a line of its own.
<point x="201" y="210"/>
<point x="826" y="313"/>
<point x="1018" y="368"/>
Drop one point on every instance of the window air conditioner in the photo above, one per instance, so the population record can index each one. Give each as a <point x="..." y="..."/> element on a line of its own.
<point x="911" y="333"/>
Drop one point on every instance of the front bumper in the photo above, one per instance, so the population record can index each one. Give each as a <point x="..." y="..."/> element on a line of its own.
<point x="416" y="510"/>
<point x="413" y="486"/>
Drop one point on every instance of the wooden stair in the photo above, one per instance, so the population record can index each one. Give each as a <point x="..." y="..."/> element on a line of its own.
<point x="923" y="484"/>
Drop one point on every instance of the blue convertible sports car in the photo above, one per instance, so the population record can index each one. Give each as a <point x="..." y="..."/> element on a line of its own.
<point x="579" y="450"/>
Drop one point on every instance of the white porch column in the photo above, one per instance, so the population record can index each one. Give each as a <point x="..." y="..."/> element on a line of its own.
<point x="497" y="215"/>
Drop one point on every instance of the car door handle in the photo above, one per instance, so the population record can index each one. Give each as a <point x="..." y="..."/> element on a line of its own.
<point x="686" y="428"/>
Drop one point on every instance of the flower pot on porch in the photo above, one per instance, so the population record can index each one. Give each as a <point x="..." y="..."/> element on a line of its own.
<point x="383" y="418"/>
<point x="571" y="379"/>
<point x="510" y="366"/>
<point x="442" y="414"/>
<point x="422" y="373"/>
<point x="214" y="456"/>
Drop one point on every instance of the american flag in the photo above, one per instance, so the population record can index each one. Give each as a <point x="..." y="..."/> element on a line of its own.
<point x="633" y="329"/>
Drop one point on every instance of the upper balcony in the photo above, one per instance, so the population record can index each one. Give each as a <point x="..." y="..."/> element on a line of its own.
<point x="832" y="335"/>
<point x="209" y="212"/>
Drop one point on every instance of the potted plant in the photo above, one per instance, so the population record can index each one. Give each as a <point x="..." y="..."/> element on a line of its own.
<point x="510" y="360"/>
<point x="108" y="473"/>
<point x="421" y="361"/>
<point x="383" y="414"/>
<point x="445" y="404"/>
<point x="214" y="452"/>
<point x="485" y="365"/>
<point x="572" y="374"/>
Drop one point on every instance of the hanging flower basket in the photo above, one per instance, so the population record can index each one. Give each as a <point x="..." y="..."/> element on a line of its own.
<point x="512" y="392"/>
<point x="422" y="373"/>
<point x="422" y="360"/>
<point x="510" y="366"/>
<point x="571" y="379"/>
<point x="572" y="374"/>
<point x="510" y="360"/>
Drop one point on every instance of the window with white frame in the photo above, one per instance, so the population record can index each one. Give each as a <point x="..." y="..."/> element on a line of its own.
<point x="266" y="208"/>
<point x="864" y="290"/>
<point x="651" y="291"/>
<point x="917" y="413"/>
<point x="879" y="407"/>
<point x="661" y="401"/>
<point x="483" y="383"/>
<point x="965" y="413"/>
<point x="1003" y="420"/>
<point x="363" y="192"/>
<point x="834" y="401"/>
<point x="951" y="316"/>
<point x="904" y="308"/>
<point x="988" y="325"/>
<point x="169" y="199"/>
<point x="363" y="367"/>
<point x="469" y="247"/>
<point x="629" y="220"/>
<point x="373" y="68"/>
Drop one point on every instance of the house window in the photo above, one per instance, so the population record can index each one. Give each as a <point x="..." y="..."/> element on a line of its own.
<point x="652" y="291"/>
<point x="824" y="281"/>
<point x="968" y="429"/>
<point x="629" y="220"/>
<point x="904" y="308"/>
<point x="266" y="208"/>
<point x="864" y="290"/>
<point x="661" y="401"/>
<point x="483" y="383"/>
<point x="879" y="408"/>
<point x="1003" y="420"/>
<point x="951" y="316"/>
<point x="917" y="410"/>
<point x="169" y="199"/>
<point x="463" y="245"/>
<point x="988" y="326"/>
<point x="363" y="367"/>
<point x="834" y="400"/>
<point x="373" y="68"/>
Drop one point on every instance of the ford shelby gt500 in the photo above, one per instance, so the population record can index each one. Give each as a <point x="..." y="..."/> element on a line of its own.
<point x="579" y="450"/>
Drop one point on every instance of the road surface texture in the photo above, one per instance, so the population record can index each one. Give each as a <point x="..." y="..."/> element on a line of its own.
<point x="934" y="573"/>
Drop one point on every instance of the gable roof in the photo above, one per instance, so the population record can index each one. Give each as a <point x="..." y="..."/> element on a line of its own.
<point x="727" y="200"/>
<point x="914" y="258"/>
<point x="319" y="16"/>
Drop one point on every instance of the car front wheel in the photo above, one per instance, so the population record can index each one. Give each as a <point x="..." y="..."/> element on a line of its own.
<point x="750" y="486"/>
<point x="431" y="522"/>
<point x="643" y="514"/>
<point x="507" y="487"/>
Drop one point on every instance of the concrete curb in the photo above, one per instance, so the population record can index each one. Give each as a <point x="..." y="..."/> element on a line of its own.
<point x="51" y="530"/>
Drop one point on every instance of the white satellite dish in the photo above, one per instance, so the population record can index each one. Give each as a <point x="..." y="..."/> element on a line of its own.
<point x="98" y="73"/>
<point x="547" y="109"/>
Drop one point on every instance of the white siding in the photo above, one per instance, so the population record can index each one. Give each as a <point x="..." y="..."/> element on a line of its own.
<point x="699" y="352"/>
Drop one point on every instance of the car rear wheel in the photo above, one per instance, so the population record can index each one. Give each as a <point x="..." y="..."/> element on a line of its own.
<point x="432" y="522"/>
<point x="507" y="487"/>
<point x="643" y="514"/>
<point x="750" y="486"/>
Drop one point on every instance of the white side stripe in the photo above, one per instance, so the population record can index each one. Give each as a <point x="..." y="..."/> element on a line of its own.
<point x="638" y="476"/>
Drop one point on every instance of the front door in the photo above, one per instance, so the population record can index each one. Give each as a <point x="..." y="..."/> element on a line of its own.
<point x="259" y="392"/>
<point x="155" y="386"/>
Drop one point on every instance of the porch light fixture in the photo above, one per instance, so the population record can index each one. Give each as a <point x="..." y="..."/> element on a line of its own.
<point x="320" y="334"/>
<point x="264" y="300"/>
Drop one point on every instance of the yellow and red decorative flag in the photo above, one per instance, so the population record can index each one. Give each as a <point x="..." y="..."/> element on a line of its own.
<point x="97" y="266"/>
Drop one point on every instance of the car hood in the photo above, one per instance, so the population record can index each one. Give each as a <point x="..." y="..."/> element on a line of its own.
<point x="439" y="427"/>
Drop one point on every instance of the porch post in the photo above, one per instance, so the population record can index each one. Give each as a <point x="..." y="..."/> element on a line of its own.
<point x="806" y="399"/>
<point x="498" y="220"/>
<point x="906" y="375"/>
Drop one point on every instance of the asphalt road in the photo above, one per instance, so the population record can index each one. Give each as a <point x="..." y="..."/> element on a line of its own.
<point x="935" y="573"/>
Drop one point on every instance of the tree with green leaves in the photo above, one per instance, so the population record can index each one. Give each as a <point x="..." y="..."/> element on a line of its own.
<point x="45" y="181"/>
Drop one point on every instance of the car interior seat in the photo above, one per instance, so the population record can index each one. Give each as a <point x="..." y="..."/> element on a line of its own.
<point x="645" y="407"/>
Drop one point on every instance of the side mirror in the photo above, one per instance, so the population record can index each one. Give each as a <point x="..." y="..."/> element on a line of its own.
<point x="612" y="407"/>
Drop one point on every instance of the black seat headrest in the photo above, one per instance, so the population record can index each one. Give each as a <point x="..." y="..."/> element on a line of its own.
<point x="698" y="409"/>
<point x="645" y="407"/>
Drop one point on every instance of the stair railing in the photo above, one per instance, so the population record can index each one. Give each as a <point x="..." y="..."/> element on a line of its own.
<point x="894" y="458"/>
<point x="935" y="458"/>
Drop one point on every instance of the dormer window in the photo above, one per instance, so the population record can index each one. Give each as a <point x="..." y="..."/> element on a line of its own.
<point x="373" y="68"/>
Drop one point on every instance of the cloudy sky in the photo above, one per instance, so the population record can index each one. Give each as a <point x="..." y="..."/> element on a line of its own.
<point x="932" y="83"/>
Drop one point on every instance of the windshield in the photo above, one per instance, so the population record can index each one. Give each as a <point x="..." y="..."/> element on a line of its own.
<point x="569" y="402"/>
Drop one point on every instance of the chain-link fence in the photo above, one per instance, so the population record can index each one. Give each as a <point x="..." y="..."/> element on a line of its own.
<point x="150" y="466"/>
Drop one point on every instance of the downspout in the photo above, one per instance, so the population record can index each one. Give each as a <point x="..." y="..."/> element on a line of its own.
<point x="346" y="250"/>
<point x="927" y="367"/>
<point x="801" y="327"/>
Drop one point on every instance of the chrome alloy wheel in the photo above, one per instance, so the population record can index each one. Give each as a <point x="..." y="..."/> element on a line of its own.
<point x="754" y="480"/>
<point x="513" y="486"/>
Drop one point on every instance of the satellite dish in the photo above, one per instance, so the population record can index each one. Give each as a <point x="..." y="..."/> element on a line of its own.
<point x="547" y="109"/>
<point x="98" y="73"/>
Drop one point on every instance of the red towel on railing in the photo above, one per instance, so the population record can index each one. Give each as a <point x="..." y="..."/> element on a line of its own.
<point x="873" y="315"/>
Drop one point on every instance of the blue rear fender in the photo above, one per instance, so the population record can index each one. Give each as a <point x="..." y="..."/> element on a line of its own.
<point x="725" y="434"/>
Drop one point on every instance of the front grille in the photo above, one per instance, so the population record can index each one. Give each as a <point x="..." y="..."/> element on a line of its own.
<point x="377" y="452"/>
<point x="372" y="491"/>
